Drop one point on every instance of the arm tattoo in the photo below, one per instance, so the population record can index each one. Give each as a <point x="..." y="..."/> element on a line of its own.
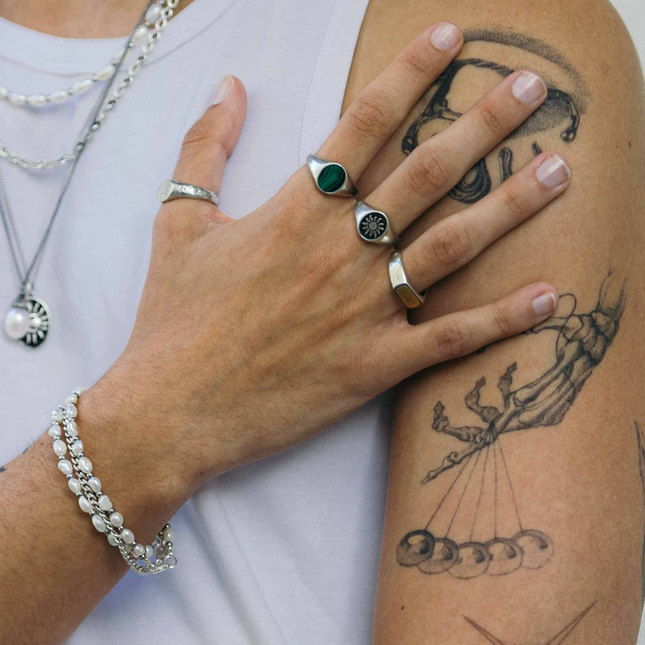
<point x="482" y="474"/>
<point x="560" y="112"/>
<point x="640" y="438"/>
<point x="559" y="638"/>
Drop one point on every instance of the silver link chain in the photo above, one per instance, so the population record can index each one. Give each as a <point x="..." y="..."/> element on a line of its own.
<point x="64" y="159"/>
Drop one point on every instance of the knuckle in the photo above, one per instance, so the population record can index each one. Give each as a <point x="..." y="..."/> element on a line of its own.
<point x="504" y="321"/>
<point x="492" y="120"/>
<point x="419" y="63"/>
<point x="428" y="170"/>
<point x="515" y="204"/>
<point x="453" y="340"/>
<point x="371" y="115"/>
<point x="450" y="245"/>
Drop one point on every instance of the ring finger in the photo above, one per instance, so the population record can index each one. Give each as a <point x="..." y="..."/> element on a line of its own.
<point x="439" y="163"/>
<point x="459" y="238"/>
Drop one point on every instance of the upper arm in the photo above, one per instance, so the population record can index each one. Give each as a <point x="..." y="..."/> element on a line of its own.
<point x="559" y="406"/>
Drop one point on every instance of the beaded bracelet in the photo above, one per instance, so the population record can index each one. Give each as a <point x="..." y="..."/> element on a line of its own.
<point x="152" y="558"/>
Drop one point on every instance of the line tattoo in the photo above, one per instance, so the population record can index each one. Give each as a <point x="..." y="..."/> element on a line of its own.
<point x="640" y="438"/>
<point x="481" y="471"/>
<point x="559" y="638"/>
<point x="560" y="111"/>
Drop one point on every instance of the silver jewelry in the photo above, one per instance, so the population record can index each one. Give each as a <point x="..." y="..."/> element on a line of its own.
<point x="29" y="318"/>
<point x="153" y="36"/>
<point x="410" y="297"/>
<point x="144" y="559"/>
<point x="373" y="225"/>
<point x="330" y="177"/>
<point x="170" y="189"/>
<point x="106" y="72"/>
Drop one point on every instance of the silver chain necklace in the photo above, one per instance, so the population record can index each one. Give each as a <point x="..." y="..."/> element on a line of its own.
<point x="28" y="320"/>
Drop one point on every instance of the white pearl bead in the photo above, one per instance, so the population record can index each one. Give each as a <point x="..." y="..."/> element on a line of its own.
<point x="118" y="53"/>
<point x="105" y="72"/>
<point x="116" y="519"/>
<point x="127" y="536"/>
<point x="16" y="324"/>
<point x="80" y="390"/>
<point x="74" y="485"/>
<point x="72" y="398"/>
<point x="105" y="503"/>
<point x="60" y="448"/>
<point x="85" y="504"/>
<point x="140" y="35"/>
<point x="95" y="484"/>
<point x="99" y="523"/>
<point x="18" y="99"/>
<point x="4" y="92"/>
<point x="77" y="447"/>
<point x="71" y="410"/>
<point x="138" y="550"/>
<point x="57" y="415"/>
<point x="54" y="431"/>
<point x="150" y="552"/>
<point x="85" y="465"/>
<point x="153" y="14"/>
<point x="168" y="535"/>
<point x="59" y="96"/>
<point x="112" y="540"/>
<point x="65" y="466"/>
<point x="37" y="100"/>
<point x="82" y="86"/>
<point x="71" y="429"/>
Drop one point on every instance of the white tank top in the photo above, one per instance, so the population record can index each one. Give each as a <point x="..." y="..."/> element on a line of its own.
<point x="283" y="551"/>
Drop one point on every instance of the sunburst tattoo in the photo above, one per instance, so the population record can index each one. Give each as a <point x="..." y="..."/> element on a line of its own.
<point x="559" y="638"/>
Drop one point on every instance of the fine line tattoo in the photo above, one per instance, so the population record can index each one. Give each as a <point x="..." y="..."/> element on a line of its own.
<point x="482" y="473"/>
<point x="559" y="638"/>
<point x="561" y="111"/>
<point x="640" y="438"/>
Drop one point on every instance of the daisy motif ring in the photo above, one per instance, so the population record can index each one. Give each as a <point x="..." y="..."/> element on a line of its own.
<point x="330" y="177"/>
<point x="170" y="189"/>
<point x="409" y="296"/>
<point x="373" y="225"/>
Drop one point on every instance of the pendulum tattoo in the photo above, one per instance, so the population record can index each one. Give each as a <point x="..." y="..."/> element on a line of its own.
<point x="559" y="638"/>
<point x="482" y="473"/>
<point x="560" y="111"/>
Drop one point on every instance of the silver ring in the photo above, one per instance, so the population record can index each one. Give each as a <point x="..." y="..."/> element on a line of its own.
<point x="373" y="225"/>
<point x="409" y="296"/>
<point x="330" y="177"/>
<point x="170" y="189"/>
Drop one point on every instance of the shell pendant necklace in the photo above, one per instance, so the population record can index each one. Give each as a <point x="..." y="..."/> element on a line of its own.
<point x="28" y="320"/>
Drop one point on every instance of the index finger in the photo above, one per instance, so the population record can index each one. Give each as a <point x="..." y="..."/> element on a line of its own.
<point x="384" y="104"/>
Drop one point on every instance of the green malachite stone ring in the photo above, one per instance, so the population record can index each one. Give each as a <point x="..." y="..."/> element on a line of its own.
<point x="330" y="177"/>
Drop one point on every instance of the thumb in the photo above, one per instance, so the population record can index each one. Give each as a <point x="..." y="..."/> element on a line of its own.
<point x="210" y="142"/>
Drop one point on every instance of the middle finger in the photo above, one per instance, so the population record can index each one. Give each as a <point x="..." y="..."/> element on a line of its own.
<point x="437" y="165"/>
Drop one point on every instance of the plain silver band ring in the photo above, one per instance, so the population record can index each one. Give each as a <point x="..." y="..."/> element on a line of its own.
<point x="373" y="225"/>
<point x="170" y="189"/>
<point x="330" y="177"/>
<point x="409" y="296"/>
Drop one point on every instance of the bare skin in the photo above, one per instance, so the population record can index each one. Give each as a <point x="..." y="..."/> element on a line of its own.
<point x="317" y="360"/>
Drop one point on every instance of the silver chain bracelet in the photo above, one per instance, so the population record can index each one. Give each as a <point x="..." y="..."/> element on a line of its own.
<point x="152" y="558"/>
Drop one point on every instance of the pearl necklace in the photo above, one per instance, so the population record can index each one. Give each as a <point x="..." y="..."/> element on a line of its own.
<point x="106" y="72"/>
<point x="28" y="319"/>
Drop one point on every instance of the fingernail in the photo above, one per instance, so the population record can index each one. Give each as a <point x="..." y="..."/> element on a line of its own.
<point x="445" y="36"/>
<point x="544" y="304"/>
<point x="223" y="90"/>
<point x="553" y="171"/>
<point x="529" y="87"/>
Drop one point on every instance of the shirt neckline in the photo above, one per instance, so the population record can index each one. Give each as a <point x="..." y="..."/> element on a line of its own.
<point x="74" y="56"/>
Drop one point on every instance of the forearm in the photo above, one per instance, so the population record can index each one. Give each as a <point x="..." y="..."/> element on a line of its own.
<point x="55" y="567"/>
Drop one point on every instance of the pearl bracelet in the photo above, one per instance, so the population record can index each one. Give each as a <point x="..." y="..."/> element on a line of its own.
<point x="152" y="558"/>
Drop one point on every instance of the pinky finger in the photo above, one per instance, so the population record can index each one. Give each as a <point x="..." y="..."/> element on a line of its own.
<point x="464" y="332"/>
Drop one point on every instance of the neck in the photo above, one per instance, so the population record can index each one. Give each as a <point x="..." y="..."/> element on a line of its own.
<point x="78" y="18"/>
